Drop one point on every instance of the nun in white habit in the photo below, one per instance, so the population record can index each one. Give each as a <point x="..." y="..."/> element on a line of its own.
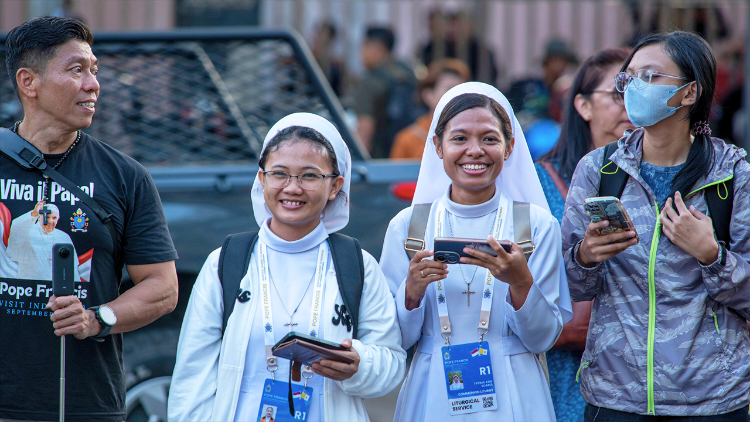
<point x="223" y="378"/>
<point x="473" y="169"/>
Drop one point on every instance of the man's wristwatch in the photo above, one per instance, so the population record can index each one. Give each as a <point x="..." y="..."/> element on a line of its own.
<point x="106" y="317"/>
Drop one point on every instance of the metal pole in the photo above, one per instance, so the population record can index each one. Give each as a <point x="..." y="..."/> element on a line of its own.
<point x="744" y="142"/>
<point x="62" y="378"/>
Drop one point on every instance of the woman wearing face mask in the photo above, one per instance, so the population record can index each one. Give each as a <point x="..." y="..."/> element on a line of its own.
<point x="594" y="116"/>
<point x="475" y="165"/>
<point x="299" y="198"/>
<point x="668" y="336"/>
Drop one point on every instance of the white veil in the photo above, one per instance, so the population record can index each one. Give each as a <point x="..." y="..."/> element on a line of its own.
<point x="336" y="213"/>
<point x="517" y="181"/>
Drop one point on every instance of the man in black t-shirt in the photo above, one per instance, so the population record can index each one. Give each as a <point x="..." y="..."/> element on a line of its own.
<point x="53" y="71"/>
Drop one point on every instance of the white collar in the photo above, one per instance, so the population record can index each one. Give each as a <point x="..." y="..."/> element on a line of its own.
<point x="470" y="211"/>
<point x="310" y="241"/>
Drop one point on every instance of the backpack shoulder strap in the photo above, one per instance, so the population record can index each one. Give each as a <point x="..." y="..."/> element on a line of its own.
<point x="720" y="200"/>
<point x="234" y="260"/>
<point x="522" y="227"/>
<point x="350" y="273"/>
<point x="417" y="227"/>
<point x="613" y="179"/>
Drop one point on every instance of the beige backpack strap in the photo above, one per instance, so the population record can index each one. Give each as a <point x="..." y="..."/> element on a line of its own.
<point x="417" y="227"/>
<point x="522" y="235"/>
<point x="522" y="227"/>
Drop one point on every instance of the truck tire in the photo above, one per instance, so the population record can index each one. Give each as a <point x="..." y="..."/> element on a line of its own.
<point x="149" y="356"/>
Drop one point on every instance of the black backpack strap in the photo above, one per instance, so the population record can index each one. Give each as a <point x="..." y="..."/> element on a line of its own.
<point x="350" y="273"/>
<point x="720" y="200"/>
<point x="613" y="179"/>
<point x="30" y="158"/>
<point x="234" y="260"/>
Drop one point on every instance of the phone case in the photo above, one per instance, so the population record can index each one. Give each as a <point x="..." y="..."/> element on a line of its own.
<point x="63" y="269"/>
<point x="609" y="208"/>
<point x="451" y="249"/>
<point x="308" y="350"/>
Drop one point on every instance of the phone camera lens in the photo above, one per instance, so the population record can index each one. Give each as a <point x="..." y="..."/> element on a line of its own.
<point x="440" y="258"/>
<point x="64" y="253"/>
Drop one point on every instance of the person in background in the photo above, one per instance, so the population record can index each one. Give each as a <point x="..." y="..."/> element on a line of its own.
<point x="594" y="116"/>
<point x="668" y="338"/>
<point x="384" y="100"/>
<point x="332" y="65"/>
<point x="441" y="76"/>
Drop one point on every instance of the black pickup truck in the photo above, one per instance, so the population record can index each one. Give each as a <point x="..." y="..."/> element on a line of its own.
<point x="193" y="107"/>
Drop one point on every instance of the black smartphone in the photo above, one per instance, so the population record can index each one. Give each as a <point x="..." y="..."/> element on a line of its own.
<point x="63" y="269"/>
<point x="294" y="335"/>
<point x="450" y="249"/>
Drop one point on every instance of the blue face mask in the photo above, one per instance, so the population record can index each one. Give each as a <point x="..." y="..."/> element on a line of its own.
<point x="648" y="106"/>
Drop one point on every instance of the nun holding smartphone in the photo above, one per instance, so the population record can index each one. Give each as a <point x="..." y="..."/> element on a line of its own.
<point x="481" y="324"/>
<point x="299" y="200"/>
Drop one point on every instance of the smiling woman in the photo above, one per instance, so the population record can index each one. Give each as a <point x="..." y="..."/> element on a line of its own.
<point x="475" y="169"/>
<point x="299" y="201"/>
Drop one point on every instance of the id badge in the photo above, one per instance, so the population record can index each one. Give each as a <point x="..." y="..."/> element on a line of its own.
<point x="274" y="406"/>
<point x="468" y="378"/>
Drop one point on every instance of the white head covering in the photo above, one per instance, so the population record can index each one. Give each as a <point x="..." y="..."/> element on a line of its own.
<point x="336" y="213"/>
<point x="517" y="181"/>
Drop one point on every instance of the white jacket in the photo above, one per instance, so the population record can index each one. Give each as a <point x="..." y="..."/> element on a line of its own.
<point x="207" y="376"/>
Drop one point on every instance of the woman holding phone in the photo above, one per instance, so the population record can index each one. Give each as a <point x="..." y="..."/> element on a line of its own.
<point x="484" y="320"/>
<point x="594" y="116"/>
<point x="299" y="198"/>
<point x="668" y="336"/>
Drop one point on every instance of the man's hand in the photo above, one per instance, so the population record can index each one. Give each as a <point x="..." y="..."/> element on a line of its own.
<point x="69" y="317"/>
<point x="689" y="229"/>
<point x="338" y="371"/>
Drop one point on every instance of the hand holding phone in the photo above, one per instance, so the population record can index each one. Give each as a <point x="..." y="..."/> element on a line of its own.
<point x="451" y="249"/>
<point x="609" y="208"/>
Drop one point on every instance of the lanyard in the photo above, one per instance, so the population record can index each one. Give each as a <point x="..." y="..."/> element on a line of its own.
<point x="489" y="280"/>
<point x="315" y="308"/>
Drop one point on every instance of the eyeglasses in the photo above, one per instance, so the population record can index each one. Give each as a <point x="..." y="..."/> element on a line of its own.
<point x="616" y="96"/>
<point x="641" y="79"/>
<point x="307" y="181"/>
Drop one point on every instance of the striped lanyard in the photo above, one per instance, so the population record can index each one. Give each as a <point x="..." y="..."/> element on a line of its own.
<point x="489" y="280"/>
<point x="315" y="308"/>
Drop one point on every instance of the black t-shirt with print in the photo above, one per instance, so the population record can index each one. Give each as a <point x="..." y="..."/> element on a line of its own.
<point x="29" y="350"/>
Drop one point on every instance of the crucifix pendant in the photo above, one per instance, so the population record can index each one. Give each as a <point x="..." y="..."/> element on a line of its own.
<point x="45" y="211"/>
<point x="290" y="324"/>
<point x="468" y="294"/>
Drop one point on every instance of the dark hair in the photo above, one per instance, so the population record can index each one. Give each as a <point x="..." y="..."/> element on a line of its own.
<point x="300" y="133"/>
<point x="465" y="102"/>
<point x="575" y="136"/>
<point x="696" y="61"/>
<point x="382" y="35"/>
<point x="34" y="43"/>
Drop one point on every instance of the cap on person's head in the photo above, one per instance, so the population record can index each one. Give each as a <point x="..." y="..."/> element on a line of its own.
<point x="558" y="48"/>
<point x="382" y="35"/>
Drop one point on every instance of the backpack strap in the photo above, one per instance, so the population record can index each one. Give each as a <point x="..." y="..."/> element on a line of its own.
<point x="522" y="228"/>
<point x="350" y="273"/>
<point x="417" y="227"/>
<point x="720" y="202"/>
<point x="234" y="261"/>
<point x="613" y="179"/>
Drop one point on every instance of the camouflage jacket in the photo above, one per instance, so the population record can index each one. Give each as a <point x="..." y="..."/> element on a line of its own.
<point x="667" y="334"/>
